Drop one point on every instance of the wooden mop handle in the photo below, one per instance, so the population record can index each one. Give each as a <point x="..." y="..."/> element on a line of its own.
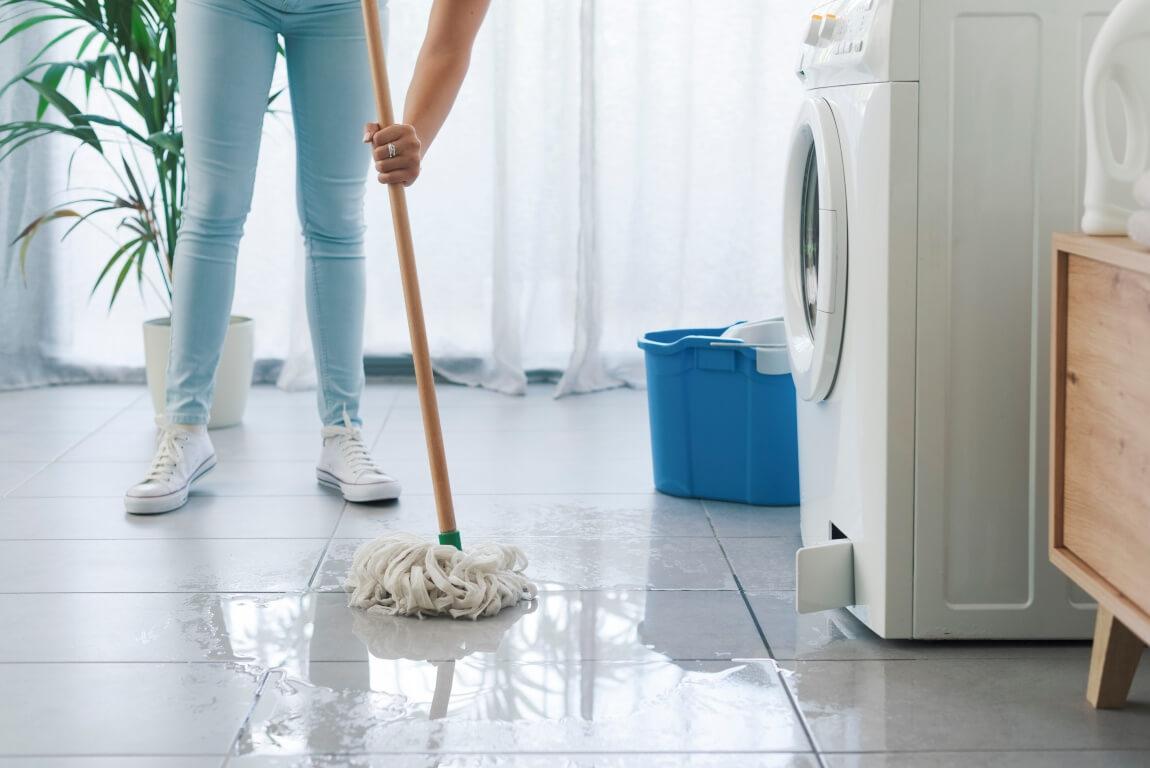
<point x="424" y="378"/>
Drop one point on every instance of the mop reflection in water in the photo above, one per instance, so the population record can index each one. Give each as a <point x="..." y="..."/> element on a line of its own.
<point x="572" y="671"/>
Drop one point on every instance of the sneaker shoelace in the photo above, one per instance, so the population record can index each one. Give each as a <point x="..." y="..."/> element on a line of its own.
<point x="169" y="453"/>
<point x="355" y="453"/>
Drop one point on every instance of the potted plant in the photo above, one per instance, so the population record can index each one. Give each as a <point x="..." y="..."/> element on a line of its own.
<point x="125" y="51"/>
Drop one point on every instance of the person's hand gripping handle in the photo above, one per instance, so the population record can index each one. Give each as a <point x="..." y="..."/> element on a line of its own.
<point x="424" y="378"/>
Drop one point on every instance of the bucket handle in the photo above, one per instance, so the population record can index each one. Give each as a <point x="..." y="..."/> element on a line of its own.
<point x="770" y="359"/>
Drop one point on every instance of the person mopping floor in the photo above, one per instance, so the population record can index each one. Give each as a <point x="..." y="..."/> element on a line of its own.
<point x="227" y="57"/>
<point x="399" y="573"/>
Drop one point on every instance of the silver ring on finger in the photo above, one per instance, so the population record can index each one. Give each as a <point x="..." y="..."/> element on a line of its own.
<point x="392" y="151"/>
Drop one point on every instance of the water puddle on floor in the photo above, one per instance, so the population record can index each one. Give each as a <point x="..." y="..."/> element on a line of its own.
<point x="577" y="671"/>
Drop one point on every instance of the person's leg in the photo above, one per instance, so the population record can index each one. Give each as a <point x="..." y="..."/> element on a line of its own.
<point x="227" y="57"/>
<point x="330" y="82"/>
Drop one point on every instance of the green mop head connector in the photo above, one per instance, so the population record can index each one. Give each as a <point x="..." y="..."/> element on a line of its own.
<point x="451" y="539"/>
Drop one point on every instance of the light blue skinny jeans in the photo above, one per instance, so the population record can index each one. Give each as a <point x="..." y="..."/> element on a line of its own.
<point x="227" y="54"/>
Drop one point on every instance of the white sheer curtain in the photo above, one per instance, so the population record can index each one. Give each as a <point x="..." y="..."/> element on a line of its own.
<point x="611" y="167"/>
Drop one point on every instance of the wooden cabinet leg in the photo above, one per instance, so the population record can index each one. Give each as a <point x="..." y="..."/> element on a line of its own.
<point x="1113" y="661"/>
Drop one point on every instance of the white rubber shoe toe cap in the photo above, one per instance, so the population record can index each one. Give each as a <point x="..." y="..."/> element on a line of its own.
<point x="373" y="487"/>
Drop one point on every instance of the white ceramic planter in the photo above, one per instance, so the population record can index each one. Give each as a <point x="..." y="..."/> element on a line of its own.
<point x="233" y="378"/>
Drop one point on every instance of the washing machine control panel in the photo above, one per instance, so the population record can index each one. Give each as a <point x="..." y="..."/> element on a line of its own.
<point x="841" y="41"/>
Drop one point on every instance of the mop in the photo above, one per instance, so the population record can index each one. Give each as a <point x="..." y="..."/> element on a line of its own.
<point x="400" y="573"/>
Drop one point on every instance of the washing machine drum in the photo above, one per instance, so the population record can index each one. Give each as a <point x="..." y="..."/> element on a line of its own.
<point x="815" y="251"/>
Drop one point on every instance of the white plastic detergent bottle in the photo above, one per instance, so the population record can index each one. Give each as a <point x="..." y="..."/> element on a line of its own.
<point x="1117" y="102"/>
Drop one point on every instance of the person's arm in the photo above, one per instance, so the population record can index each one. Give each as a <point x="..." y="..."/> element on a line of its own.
<point x="439" y="73"/>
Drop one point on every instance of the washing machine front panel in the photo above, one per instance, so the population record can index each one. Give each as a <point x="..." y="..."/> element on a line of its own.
<point x="856" y="446"/>
<point x="815" y="250"/>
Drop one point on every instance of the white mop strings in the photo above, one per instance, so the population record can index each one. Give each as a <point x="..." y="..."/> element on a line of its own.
<point x="403" y="574"/>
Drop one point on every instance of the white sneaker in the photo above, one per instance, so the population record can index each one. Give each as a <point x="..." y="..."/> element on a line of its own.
<point x="346" y="465"/>
<point x="183" y="456"/>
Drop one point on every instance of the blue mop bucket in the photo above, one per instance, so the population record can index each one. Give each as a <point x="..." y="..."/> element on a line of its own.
<point x="722" y="409"/>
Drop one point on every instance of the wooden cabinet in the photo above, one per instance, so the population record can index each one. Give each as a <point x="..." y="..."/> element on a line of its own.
<point x="1100" y="446"/>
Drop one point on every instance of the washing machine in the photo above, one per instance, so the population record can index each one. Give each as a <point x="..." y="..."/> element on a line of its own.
<point x="938" y="147"/>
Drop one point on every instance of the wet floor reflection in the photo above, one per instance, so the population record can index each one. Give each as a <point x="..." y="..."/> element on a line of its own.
<point x="289" y="631"/>
<point x="434" y="639"/>
<point x="575" y="671"/>
<point x="477" y="704"/>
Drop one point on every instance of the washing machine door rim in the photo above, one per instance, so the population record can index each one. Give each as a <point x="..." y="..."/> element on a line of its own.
<point x="815" y="250"/>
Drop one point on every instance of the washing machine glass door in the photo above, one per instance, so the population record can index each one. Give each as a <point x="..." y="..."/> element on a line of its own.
<point x="815" y="251"/>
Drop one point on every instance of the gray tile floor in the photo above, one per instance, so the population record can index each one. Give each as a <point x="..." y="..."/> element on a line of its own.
<point x="664" y="635"/>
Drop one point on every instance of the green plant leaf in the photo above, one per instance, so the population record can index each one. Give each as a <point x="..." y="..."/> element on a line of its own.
<point x="111" y="263"/>
<point x="51" y="80"/>
<point x="28" y="24"/>
<point x="87" y="41"/>
<point x="36" y="223"/>
<point x="124" y="271"/>
<point x="101" y="120"/>
<point x="170" y="142"/>
<point x="29" y="232"/>
<point x="132" y="101"/>
<point x="111" y="206"/>
<point x="85" y="132"/>
<point x="15" y="135"/>
<point x="51" y="43"/>
<point x="90" y="68"/>
<point x="132" y="180"/>
<point x="139" y="258"/>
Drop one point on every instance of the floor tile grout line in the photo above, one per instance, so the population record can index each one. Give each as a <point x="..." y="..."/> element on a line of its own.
<point x="71" y="447"/>
<point x="246" y="721"/>
<point x="44" y="465"/>
<point x="106" y="422"/>
<point x="738" y="583"/>
<point x="793" y="699"/>
<point x="382" y="426"/>
<point x="766" y="643"/>
<point x="338" y="521"/>
<point x="311" y="582"/>
<point x="327" y="546"/>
